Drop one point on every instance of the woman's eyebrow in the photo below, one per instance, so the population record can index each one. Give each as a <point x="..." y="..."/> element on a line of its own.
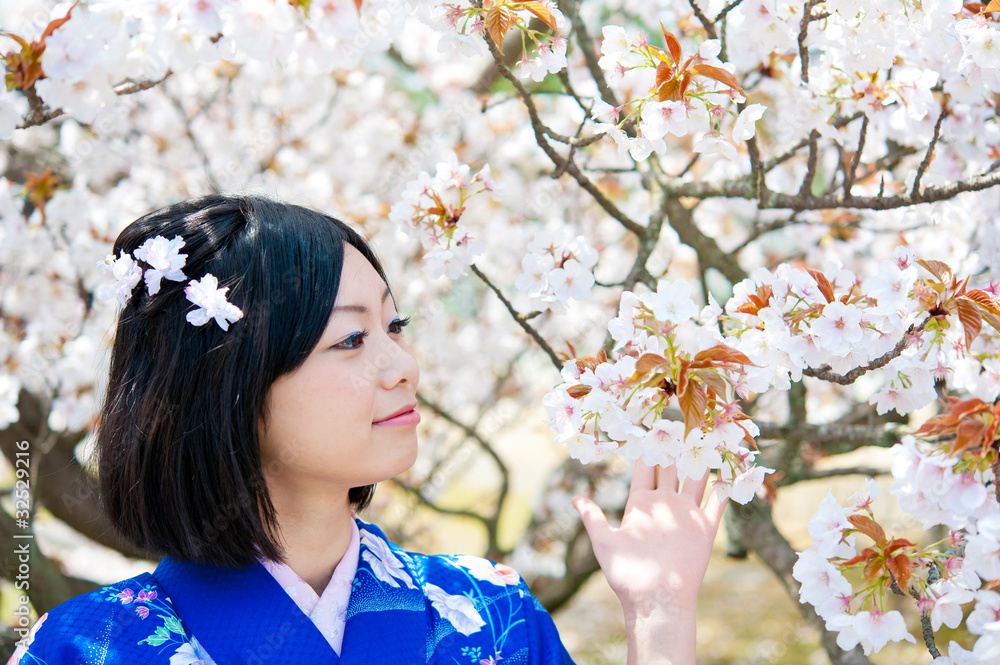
<point x="361" y="309"/>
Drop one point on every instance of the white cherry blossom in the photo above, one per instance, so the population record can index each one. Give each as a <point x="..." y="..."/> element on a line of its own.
<point x="211" y="303"/>
<point x="164" y="260"/>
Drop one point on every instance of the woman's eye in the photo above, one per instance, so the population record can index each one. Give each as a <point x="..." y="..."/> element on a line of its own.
<point x="397" y="325"/>
<point x="353" y="341"/>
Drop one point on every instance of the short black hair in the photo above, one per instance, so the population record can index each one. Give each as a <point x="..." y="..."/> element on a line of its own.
<point x="177" y="438"/>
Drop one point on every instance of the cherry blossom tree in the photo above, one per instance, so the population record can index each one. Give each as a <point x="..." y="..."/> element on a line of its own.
<point x="740" y="237"/>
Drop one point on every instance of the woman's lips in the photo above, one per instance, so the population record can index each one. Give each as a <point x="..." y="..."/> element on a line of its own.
<point x="405" y="419"/>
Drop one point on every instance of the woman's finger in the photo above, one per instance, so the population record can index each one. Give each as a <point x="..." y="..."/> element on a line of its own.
<point x="696" y="488"/>
<point x="666" y="478"/>
<point x="714" y="508"/>
<point x="593" y="518"/>
<point x="643" y="477"/>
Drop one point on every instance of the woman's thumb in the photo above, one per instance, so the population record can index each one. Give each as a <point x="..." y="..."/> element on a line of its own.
<point x="592" y="516"/>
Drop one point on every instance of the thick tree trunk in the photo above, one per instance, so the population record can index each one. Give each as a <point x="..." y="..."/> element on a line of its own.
<point x="753" y="526"/>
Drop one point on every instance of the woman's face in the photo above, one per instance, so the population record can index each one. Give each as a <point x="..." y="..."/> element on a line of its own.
<point x="345" y="417"/>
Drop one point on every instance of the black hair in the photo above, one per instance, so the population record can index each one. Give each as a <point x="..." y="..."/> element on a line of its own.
<point x="178" y="452"/>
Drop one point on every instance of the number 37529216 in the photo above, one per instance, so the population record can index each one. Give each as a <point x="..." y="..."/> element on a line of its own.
<point x="22" y="486"/>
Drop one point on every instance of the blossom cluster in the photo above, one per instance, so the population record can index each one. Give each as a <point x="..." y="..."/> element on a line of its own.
<point x="106" y="45"/>
<point x="431" y="208"/>
<point x="792" y="318"/>
<point x="777" y="324"/>
<point x="682" y="96"/>
<point x="165" y="261"/>
<point x="942" y="577"/>
<point x="557" y="268"/>
<point x="465" y="27"/>
<point x="664" y="361"/>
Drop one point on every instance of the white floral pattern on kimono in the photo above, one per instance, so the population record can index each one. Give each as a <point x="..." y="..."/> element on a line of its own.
<point x="384" y="563"/>
<point x="457" y="610"/>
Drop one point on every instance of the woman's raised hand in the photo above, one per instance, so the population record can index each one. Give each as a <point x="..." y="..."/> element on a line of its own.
<point x="656" y="560"/>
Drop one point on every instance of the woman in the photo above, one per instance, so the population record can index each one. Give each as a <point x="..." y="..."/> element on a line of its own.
<point x="260" y="387"/>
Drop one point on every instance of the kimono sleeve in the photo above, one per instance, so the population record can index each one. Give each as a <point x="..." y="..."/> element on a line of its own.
<point x="131" y="622"/>
<point x="67" y="635"/>
<point x="544" y="644"/>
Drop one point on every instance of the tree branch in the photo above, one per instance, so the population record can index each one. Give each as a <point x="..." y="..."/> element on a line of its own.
<point x="562" y="164"/>
<point x="869" y="471"/>
<point x="706" y="23"/>
<point x="825" y="374"/>
<point x="929" y="155"/>
<point x="743" y="188"/>
<point x="419" y="495"/>
<point x="682" y="221"/>
<point x="520" y="320"/>
<point x="730" y="6"/>
<point x="803" y="33"/>
<point x="834" y="438"/>
<point x="583" y="40"/>
<point x="852" y="171"/>
<point x="806" y="189"/>
<point x="492" y="522"/>
<point x="39" y="113"/>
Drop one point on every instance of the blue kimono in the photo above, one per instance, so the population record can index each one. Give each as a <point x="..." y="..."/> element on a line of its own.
<point x="404" y="608"/>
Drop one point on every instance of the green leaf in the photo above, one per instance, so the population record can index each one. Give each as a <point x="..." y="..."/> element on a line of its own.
<point x="173" y="625"/>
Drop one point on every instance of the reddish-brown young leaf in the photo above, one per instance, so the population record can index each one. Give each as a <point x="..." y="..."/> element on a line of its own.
<point x="994" y="6"/>
<point x="939" y="269"/>
<point x="720" y="353"/>
<point x="40" y="187"/>
<point x="498" y="20"/>
<point x="24" y="67"/>
<point x="972" y="320"/>
<point x="992" y="319"/>
<point x="693" y="402"/>
<point x="869" y="527"/>
<point x="22" y="42"/>
<point x="578" y="391"/>
<point x="55" y="24"/>
<point x="685" y="81"/>
<point x="897" y="544"/>
<point x="713" y="381"/>
<point x="672" y="44"/>
<point x="874" y="568"/>
<point x="357" y="5"/>
<point x="682" y="377"/>
<point x="667" y="87"/>
<point x="717" y="74"/>
<point x="972" y="433"/>
<point x="867" y="554"/>
<point x="542" y="12"/>
<point x="985" y="299"/>
<point x="649" y="362"/>
<point x="948" y="422"/>
<point x="825" y="287"/>
<point x="901" y="568"/>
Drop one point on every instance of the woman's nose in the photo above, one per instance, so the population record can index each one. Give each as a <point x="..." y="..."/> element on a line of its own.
<point x="396" y="363"/>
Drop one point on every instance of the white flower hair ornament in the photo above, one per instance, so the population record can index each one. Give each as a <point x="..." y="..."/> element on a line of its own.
<point x="165" y="262"/>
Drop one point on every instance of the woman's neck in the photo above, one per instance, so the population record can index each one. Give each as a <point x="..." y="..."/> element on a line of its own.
<point x="315" y="535"/>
